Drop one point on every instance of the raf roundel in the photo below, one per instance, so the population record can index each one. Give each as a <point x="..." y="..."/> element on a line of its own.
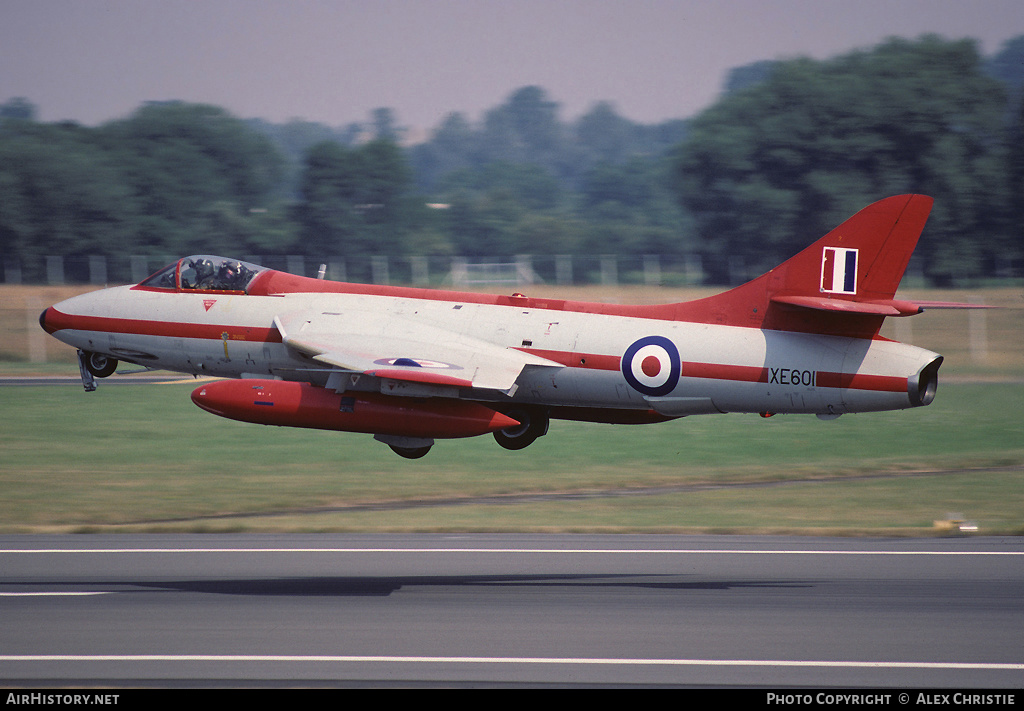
<point x="651" y="366"/>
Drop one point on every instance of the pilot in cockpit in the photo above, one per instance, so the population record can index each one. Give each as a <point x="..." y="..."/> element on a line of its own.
<point x="206" y="277"/>
<point x="232" y="275"/>
<point x="204" y="273"/>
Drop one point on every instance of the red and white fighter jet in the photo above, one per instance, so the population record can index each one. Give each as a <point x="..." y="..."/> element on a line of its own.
<point x="414" y="365"/>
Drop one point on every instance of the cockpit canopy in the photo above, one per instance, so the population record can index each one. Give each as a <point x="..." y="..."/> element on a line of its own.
<point x="202" y="272"/>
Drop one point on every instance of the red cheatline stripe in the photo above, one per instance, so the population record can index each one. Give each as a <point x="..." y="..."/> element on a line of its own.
<point x="862" y="381"/>
<point x="739" y="373"/>
<point x="824" y="379"/>
<point x="712" y="371"/>
<point x="57" y="321"/>
<point x="716" y="371"/>
<point x="593" y="361"/>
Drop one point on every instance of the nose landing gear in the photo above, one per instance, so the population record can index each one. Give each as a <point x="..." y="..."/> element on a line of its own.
<point x="94" y="365"/>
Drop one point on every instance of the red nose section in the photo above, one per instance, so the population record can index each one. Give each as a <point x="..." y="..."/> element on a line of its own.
<point x="53" y="320"/>
<point x="288" y="404"/>
<point x="42" y="321"/>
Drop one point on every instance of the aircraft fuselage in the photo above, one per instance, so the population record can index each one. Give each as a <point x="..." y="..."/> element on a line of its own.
<point x="685" y="368"/>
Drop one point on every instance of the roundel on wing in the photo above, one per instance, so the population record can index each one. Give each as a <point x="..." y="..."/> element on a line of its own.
<point x="651" y="366"/>
<point x="416" y="363"/>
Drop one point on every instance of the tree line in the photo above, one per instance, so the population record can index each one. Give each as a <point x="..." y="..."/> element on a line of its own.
<point x="790" y="150"/>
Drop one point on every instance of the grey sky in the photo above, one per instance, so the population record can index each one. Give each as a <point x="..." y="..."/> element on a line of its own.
<point x="334" y="61"/>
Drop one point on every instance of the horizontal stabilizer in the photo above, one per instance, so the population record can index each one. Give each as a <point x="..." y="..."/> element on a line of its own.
<point x="881" y="307"/>
<point x="952" y="305"/>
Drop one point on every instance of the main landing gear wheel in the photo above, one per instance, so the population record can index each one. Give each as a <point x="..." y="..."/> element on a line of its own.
<point x="100" y="365"/>
<point x="532" y="424"/>
<point x="410" y="452"/>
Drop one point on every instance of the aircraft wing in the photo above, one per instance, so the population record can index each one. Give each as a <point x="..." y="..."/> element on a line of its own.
<point x="404" y="349"/>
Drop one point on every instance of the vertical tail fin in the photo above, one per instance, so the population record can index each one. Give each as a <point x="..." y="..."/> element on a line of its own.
<point x="843" y="284"/>
<point x="863" y="259"/>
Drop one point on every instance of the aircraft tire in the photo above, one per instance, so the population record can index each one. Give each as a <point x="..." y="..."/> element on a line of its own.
<point x="101" y="366"/>
<point x="410" y="452"/>
<point x="533" y="424"/>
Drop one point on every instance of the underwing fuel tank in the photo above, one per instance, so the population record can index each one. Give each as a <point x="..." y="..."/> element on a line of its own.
<point x="292" y="404"/>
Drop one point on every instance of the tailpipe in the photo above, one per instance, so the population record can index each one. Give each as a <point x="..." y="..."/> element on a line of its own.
<point x="922" y="386"/>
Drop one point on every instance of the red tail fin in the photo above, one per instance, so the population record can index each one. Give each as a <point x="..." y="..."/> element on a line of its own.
<point x="843" y="284"/>
<point x="864" y="258"/>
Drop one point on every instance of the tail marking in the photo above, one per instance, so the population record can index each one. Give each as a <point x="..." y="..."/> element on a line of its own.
<point x="839" y="270"/>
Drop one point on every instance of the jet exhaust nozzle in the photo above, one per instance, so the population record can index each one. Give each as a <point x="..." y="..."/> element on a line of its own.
<point x="922" y="387"/>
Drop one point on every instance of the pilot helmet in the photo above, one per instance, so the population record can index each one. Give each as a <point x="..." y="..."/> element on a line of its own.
<point x="204" y="268"/>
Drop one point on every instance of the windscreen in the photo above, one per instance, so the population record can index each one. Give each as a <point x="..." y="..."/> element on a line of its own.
<point x="204" y="273"/>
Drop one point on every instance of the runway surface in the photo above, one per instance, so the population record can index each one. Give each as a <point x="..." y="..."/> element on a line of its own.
<point x="477" y="610"/>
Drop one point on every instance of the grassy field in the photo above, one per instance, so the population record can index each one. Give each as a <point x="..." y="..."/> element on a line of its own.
<point x="143" y="457"/>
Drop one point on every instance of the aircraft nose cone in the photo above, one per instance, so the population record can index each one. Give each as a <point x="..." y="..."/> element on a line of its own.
<point x="42" y="320"/>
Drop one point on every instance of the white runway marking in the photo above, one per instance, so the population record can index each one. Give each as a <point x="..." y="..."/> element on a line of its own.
<point x="572" y="551"/>
<point x="500" y="660"/>
<point x="53" y="594"/>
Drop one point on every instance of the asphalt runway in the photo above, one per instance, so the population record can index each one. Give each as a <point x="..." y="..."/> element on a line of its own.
<point x="479" y="610"/>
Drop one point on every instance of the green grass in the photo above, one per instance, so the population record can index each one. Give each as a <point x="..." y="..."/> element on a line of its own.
<point x="145" y="458"/>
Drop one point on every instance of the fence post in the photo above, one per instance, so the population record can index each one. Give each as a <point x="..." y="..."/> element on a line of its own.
<point x="12" y="272"/>
<point x="139" y="267"/>
<point x="609" y="270"/>
<point x="55" y="271"/>
<point x="379" y="269"/>
<point x="97" y="269"/>
<point x="563" y="269"/>
<point x="694" y="269"/>
<point x="336" y="269"/>
<point x="977" y="326"/>
<point x="737" y="270"/>
<point x="420" y="271"/>
<point x="36" y="335"/>
<point x="652" y="270"/>
<point x="524" y="270"/>
<point x="460" y="273"/>
<point x="296" y="264"/>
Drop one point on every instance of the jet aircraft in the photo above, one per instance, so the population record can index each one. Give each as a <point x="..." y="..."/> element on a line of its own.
<point x="410" y="365"/>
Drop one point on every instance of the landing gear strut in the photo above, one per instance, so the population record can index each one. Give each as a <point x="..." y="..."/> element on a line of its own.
<point x="94" y="365"/>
